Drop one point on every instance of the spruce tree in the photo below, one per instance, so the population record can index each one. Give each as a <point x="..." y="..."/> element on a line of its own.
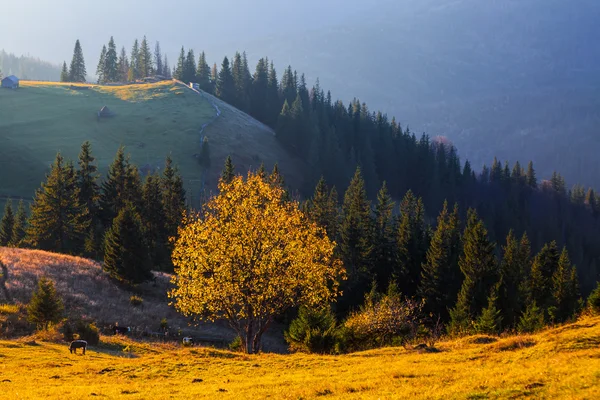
<point x="101" y="68"/>
<point x="384" y="249"/>
<point x="77" y="71"/>
<point x="323" y="209"/>
<point x="189" y="74"/>
<point x="532" y="319"/>
<point x="565" y="289"/>
<point x="153" y="222"/>
<point x="167" y="68"/>
<point x="203" y="74"/>
<point x="134" y="62"/>
<point x="440" y="274"/>
<point x="412" y="243"/>
<point x="89" y="195"/>
<point x="58" y="222"/>
<point x="144" y="61"/>
<point x="123" y="66"/>
<point x="356" y="246"/>
<point x="513" y="272"/>
<point x="125" y="252"/>
<point x="258" y="91"/>
<point x="158" y="60"/>
<point x="228" y="172"/>
<point x="64" y="73"/>
<point x="173" y="198"/>
<point x="111" y="72"/>
<point x="20" y="226"/>
<point x="543" y="268"/>
<point x="46" y="306"/>
<point x="7" y="224"/>
<point x="530" y="177"/>
<point x="225" y="86"/>
<point x="593" y="301"/>
<point x="478" y="265"/>
<point x="490" y="320"/>
<point x="179" y="72"/>
<point x="114" y="189"/>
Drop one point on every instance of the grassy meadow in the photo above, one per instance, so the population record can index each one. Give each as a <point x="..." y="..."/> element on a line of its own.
<point x="151" y="121"/>
<point x="563" y="362"/>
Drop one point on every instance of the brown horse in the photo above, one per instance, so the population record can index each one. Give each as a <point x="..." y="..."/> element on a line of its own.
<point x="76" y="344"/>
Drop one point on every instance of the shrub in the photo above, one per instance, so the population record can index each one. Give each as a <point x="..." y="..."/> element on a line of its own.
<point x="236" y="344"/>
<point x="532" y="320"/>
<point x="383" y="319"/>
<point x="489" y="321"/>
<point x="81" y="330"/>
<point x="46" y="306"/>
<point x="164" y="325"/>
<point x="136" y="301"/>
<point x="313" y="331"/>
<point x="594" y="300"/>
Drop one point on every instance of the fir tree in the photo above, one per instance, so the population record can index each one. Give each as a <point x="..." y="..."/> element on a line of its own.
<point x="565" y="288"/>
<point x="225" y="86"/>
<point x="89" y="195"/>
<point x="189" y="69"/>
<point x="478" y="265"/>
<point x="125" y="252"/>
<point x="323" y="209"/>
<point x="228" y="171"/>
<point x="179" y="72"/>
<point x="134" y="61"/>
<point x="173" y="198"/>
<point x="64" y="74"/>
<point x="258" y="91"/>
<point x="20" y="226"/>
<point x="58" y="221"/>
<point x="593" y="301"/>
<point x="158" y="60"/>
<point x="101" y="68"/>
<point x="544" y="266"/>
<point x="46" y="306"/>
<point x="440" y="274"/>
<point x="153" y="222"/>
<point x="355" y="236"/>
<point x="384" y="249"/>
<point x="532" y="319"/>
<point x="530" y="177"/>
<point x="77" y="71"/>
<point x="123" y="66"/>
<point x="490" y="320"/>
<point x="144" y="60"/>
<point x="111" y="71"/>
<point x="167" y="68"/>
<point x="7" y="224"/>
<point x="203" y="74"/>
<point x="114" y="187"/>
<point x="513" y="272"/>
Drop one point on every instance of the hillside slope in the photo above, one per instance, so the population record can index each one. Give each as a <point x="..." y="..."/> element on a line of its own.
<point x="88" y="292"/>
<point x="557" y="363"/>
<point x="151" y="121"/>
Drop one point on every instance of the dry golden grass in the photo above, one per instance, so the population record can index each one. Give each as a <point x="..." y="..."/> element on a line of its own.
<point x="561" y="363"/>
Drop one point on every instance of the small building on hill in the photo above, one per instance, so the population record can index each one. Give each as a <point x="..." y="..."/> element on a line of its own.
<point x="10" y="82"/>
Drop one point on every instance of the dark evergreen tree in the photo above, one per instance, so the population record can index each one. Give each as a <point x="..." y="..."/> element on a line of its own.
<point x="64" y="73"/>
<point x="384" y="238"/>
<point x="46" y="306"/>
<point x="241" y="82"/>
<point x="101" y="68"/>
<point x="356" y="246"/>
<point x="173" y="197"/>
<point x="513" y="272"/>
<point x="478" y="265"/>
<point x="158" y="60"/>
<point x="77" y="71"/>
<point x="189" y="68"/>
<point x="7" y="224"/>
<point x="490" y="320"/>
<point x="167" y="68"/>
<point x="532" y="319"/>
<point x="89" y="196"/>
<point x="134" y="61"/>
<point x="259" y="91"/>
<point x="203" y="74"/>
<point x="179" y="72"/>
<point x="153" y="221"/>
<point x="531" y="178"/>
<point x="228" y="172"/>
<point x="144" y="60"/>
<point x="565" y="289"/>
<point x="58" y="221"/>
<point x="111" y="71"/>
<point x="440" y="274"/>
<point x="19" y="227"/>
<point x="123" y="66"/>
<point x="126" y="256"/>
<point x="544" y="266"/>
<point x="225" y="86"/>
<point x="323" y="209"/>
<point x="114" y="187"/>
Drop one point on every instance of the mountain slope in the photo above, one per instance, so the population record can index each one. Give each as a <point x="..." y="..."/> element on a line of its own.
<point x="150" y="120"/>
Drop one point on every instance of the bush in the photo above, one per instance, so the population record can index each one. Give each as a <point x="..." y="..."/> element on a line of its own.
<point x="383" y="320"/>
<point x="136" y="301"/>
<point x="490" y="319"/>
<point x="236" y="344"/>
<point x="313" y="331"/>
<point x="594" y="300"/>
<point x="532" y="320"/>
<point x="164" y="325"/>
<point x="81" y="330"/>
<point x="45" y="307"/>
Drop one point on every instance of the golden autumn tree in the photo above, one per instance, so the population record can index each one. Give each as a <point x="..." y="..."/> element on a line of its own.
<point x="249" y="256"/>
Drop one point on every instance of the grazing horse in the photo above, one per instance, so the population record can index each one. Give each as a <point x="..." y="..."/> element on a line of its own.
<point x="76" y="344"/>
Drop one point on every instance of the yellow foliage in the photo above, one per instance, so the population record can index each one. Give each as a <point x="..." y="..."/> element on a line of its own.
<point x="249" y="256"/>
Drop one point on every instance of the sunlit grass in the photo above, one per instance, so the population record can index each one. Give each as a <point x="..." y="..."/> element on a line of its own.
<point x="558" y="363"/>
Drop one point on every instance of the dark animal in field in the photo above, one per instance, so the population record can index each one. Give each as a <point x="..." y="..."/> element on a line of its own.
<point x="188" y="341"/>
<point x="77" y="344"/>
<point x="121" y="330"/>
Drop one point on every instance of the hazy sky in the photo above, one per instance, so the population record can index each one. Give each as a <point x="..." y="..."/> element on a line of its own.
<point x="48" y="29"/>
